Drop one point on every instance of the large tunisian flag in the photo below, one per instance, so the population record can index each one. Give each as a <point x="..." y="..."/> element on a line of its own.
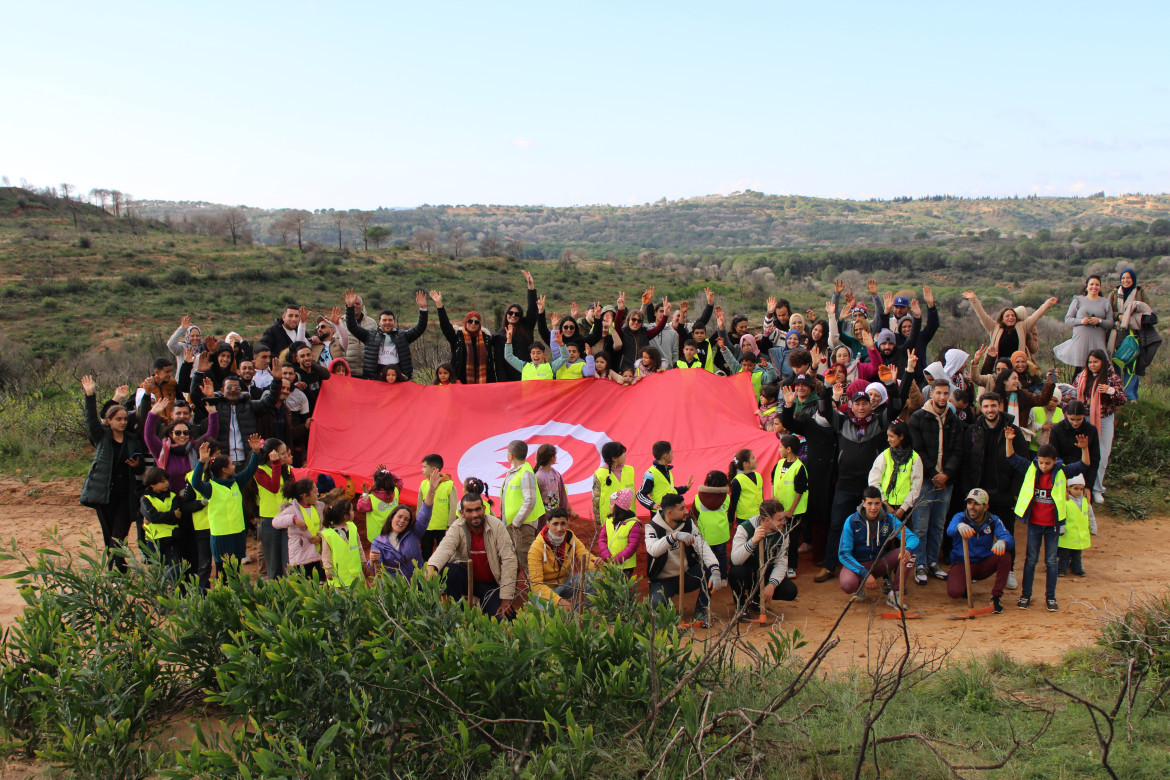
<point x="359" y="424"/>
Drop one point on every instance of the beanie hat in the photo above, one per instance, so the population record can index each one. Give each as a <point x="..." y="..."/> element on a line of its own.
<point x="325" y="483"/>
<point x="886" y="336"/>
<point x="1021" y="353"/>
<point x="1077" y="480"/>
<point x="623" y="498"/>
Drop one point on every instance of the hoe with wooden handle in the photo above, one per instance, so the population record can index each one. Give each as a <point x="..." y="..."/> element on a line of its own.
<point x="902" y="613"/>
<point x="971" y="611"/>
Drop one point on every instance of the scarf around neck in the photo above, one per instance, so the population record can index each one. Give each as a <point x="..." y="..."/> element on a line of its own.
<point x="475" y="371"/>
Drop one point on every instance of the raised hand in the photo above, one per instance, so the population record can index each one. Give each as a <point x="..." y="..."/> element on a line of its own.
<point x="811" y="316"/>
<point x="915" y="309"/>
<point x="866" y="338"/>
<point x="928" y="296"/>
<point x="993" y="351"/>
<point x="684" y="307"/>
<point x="710" y="296"/>
<point x="665" y="306"/>
<point x="437" y="297"/>
<point x="209" y="344"/>
<point x="121" y="393"/>
<point x="205" y="452"/>
<point x="188" y="354"/>
<point x="573" y="310"/>
<point x="185" y="322"/>
<point x="789" y="393"/>
<point x="1052" y="301"/>
<point x="838" y="285"/>
<point x="508" y="332"/>
<point x="850" y="299"/>
<point x="1009" y="433"/>
<point x="771" y="304"/>
<point x="817" y="356"/>
<point x="558" y="338"/>
<point x="647" y="296"/>
<point x="1083" y="442"/>
<point x="911" y="362"/>
<point x="871" y="285"/>
<point x="621" y="300"/>
<point x="88" y="384"/>
<point x="420" y="299"/>
<point x="528" y="278"/>
<point x="160" y="406"/>
<point x="305" y="313"/>
<point x="256" y="442"/>
<point x="830" y="309"/>
<point x="556" y="318"/>
<point x="719" y="342"/>
<point x="208" y="388"/>
<point x="350" y="298"/>
<point x="888" y="301"/>
<point x="540" y="303"/>
<point x="209" y="407"/>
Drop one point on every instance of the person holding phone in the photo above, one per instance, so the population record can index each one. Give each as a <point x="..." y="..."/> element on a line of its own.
<point x="110" y="487"/>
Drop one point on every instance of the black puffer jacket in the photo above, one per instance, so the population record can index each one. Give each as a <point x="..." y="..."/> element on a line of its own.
<point x="372" y="338"/>
<point x="247" y="411"/>
<point x="97" y="487"/>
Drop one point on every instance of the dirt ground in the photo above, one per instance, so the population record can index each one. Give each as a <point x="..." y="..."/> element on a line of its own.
<point x="1123" y="560"/>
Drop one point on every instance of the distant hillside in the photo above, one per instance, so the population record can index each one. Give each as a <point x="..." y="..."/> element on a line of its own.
<point x="743" y="220"/>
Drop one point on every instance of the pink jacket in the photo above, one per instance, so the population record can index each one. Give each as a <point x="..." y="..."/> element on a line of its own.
<point x="631" y="548"/>
<point x="301" y="549"/>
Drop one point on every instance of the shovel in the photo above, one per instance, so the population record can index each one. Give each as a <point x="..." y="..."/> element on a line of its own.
<point x="971" y="611"/>
<point x="902" y="614"/>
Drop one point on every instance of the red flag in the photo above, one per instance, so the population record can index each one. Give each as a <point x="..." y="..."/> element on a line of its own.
<point x="358" y="424"/>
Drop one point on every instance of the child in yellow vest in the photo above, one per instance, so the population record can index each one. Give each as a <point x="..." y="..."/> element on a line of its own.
<point x="380" y="502"/>
<point x="711" y="512"/>
<point x="745" y="487"/>
<point x="790" y="488"/>
<point x="341" y="547"/>
<point x="539" y="368"/>
<point x="301" y="517"/>
<point x="441" y="502"/>
<point x="621" y="533"/>
<point x="217" y="481"/>
<point x="161" y="510"/>
<point x="1079" y="524"/>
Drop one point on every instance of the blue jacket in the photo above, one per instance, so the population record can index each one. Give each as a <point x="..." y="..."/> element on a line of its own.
<point x="986" y="535"/>
<point x="408" y="556"/>
<point x="861" y="540"/>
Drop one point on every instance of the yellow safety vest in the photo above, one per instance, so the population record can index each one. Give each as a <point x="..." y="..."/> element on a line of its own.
<point x="200" y="520"/>
<point x="267" y="501"/>
<point x="160" y="530"/>
<point x="441" y="509"/>
<point x="533" y="371"/>
<point x="514" y="498"/>
<point x="1028" y="489"/>
<point x="572" y="370"/>
<point x="625" y="480"/>
<point x="345" y="554"/>
<point x="684" y="364"/>
<point x="617" y="538"/>
<point x="757" y="382"/>
<point x="751" y="493"/>
<point x="784" y="486"/>
<point x="662" y="487"/>
<point x="225" y="510"/>
<point x="312" y="521"/>
<point x="713" y="523"/>
<point x="897" y="494"/>
<point x="379" y="512"/>
<point x="1041" y="419"/>
<point x="1076" y="525"/>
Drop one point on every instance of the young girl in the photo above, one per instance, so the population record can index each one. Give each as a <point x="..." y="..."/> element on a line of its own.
<point x="341" y="548"/>
<point x="769" y="407"/>
<point x="747" y="487"/>
<point x="629" y="375"/>
<point x="476" y="486"/>
<point x="397" y="549"/>
<point x="381" y="501"/>
<point x="1079" y="524"/>
<point x="712" y="513"/>
<point x="301" y="517"/>
<point x="1042" y="418"/>
<point x="217" y="481"/>
<point x="602" y="368"/>
<point x="615" y="475"/>
<point x="790" y="487"/>
<point x="550" y="483"/>
<point x="444" y="374"/>
<point x="273" y="473"/>
<point x="621" y="533"/>
<point x="339" y="366"/>
<point x="388" y="374"/>
<point x="650" y="362"/>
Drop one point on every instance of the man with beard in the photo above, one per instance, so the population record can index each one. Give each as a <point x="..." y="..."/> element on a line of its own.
<point x="355" y="348"/>
<point x="937" y="434"/>
<point x="310" y="374"/>
<point x="988" y="541"/>
<point x="988" y="466"/>
<point x="387" y="345"/>
<point x="559" y="565"/>
<point x="482" y="540"/>
<point x="289" y="328"/>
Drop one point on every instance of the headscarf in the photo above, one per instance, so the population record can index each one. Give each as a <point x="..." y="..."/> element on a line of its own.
<point x="1122" y="291"/>
<point x="955" y="359"/>
<point x="747" y="343"/>
<point x="881" y="390"/>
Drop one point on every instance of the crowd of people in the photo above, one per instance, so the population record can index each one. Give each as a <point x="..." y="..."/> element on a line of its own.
<point x="889" y="455"/>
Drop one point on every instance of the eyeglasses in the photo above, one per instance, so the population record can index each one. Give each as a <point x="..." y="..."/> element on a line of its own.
<point x="635" y="319"/>
<point x="322" y="326"/>
<point x="473" y="322"/>
<point x="180" y="433"/>
<point x="513" y="314"/>
<point x="568" y="327"/>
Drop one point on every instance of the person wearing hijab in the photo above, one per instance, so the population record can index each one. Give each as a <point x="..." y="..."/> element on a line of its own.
<point x="1132" y="313"/>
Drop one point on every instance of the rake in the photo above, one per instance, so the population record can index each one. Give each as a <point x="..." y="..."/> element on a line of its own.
<point x="971" y="611"/>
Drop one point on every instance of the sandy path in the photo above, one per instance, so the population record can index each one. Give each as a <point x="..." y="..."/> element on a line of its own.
<point x="1124" y="560"/>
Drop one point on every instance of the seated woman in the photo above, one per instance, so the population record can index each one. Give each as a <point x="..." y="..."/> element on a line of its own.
<point x="397" y="550"/>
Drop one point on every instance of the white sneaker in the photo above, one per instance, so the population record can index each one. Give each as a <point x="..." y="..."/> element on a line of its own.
<point x="1011" y="582"/>
<point x="892" y="600"/>
<point x="1098" y="498"/>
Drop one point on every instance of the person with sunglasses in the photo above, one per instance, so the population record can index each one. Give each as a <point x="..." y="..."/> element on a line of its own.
<point x="472" y="360"/>
<point x="522" y="325"/>
<point x="635" y="337"/>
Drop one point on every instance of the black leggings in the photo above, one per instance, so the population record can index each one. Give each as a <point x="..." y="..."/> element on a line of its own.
<point x="115" y="519"/>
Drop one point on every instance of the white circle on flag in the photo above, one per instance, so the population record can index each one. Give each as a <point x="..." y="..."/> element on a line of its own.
<point x="578" y="454"/>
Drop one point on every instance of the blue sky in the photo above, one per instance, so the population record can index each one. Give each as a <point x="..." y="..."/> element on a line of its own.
<point x="356" y="105"/>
